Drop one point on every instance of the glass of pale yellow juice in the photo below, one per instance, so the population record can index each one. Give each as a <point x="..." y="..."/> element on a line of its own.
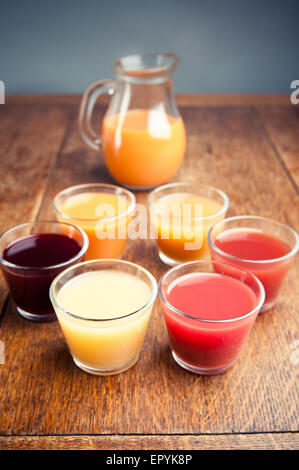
<point x="103" y="307"/>
<point x="181" y="216"/>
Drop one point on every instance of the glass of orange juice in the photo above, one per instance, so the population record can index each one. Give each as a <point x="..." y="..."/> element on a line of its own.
<point x="103" y="211"/>
<point x="181" y="215"/>
<point x="143" y="135"/>
<point x="103" y="307"/>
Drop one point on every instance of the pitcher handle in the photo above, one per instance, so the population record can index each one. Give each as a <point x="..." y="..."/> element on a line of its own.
<point x="88" y="101"/>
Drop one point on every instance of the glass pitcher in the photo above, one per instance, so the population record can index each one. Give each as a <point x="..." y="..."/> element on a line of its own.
<point x="142" y="134"/>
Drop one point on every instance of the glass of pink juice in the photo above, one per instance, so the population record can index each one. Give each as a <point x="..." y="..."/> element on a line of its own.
<point x="260" y="245"/>
<point x="209" y="309"/>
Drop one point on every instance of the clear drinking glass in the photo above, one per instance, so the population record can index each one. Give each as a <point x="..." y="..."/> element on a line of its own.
<point x="29" y="284"/>
<point x="271" y="272"/>
<point x="104" y="329"/>
<point x="142" y="135"/>
<point x="181" y="215"/>
<point x="112" y="208"/>
<point x="209" y="344"/>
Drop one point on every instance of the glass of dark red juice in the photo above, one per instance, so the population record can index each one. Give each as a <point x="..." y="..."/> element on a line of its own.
<point x="260" y="245"/>
<point x="31" y="256"/>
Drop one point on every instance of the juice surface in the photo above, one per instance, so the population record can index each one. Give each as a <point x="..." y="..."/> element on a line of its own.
<point x="45" y="249"/>
<point x="174" y="233"/>
<point x="93" y="295"/>
<point x="211" y="296"/>
<point x="107" y="294"/>
<point x="209" y="347"/>
<point x="143" y="148"/>
<point x="88" y="209"/>
<point x="171" y="203"/>
<point x="88" y="205"/>
<point x="253" y="245"/>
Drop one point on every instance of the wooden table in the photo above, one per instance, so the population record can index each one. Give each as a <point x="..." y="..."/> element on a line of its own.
<point x="249" y="147"/>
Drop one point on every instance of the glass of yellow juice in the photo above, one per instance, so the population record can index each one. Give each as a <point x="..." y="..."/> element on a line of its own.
<point x="103" y="211"/>
<point x="103" y="307"/>
<point x="181" y="216"/>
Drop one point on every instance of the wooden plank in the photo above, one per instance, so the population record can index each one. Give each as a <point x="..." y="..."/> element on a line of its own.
<point x="282" y="130"/>
<point x="30" y="137"/>
<point x="259" y="394"/>
<point x="11" y="119"/>
<point x="28" y="162"/>
<point x="275" y="441"/>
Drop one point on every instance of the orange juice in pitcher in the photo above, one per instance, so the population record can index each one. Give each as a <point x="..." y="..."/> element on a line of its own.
<point x="143" y="136"/>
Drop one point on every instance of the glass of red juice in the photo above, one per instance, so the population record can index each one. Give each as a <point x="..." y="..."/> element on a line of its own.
<point x="31" y="256"/>
<point x="260" y="245"/>
<point x="209" y="309"/>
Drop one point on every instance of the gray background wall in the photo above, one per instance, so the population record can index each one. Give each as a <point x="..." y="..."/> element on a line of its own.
<point x="232" y="46"/>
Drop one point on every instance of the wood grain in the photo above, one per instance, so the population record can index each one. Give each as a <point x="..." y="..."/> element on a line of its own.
<point x="282" y="127"/>
<point x="30" y="139"/>
<point x="271" y="441"/>
<point x="43" y="393"/>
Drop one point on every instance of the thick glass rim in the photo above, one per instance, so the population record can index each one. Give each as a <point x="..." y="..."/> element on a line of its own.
<point x="205" y="320"/>
<point x="182" y="184"/>
<point x="120" y="68"/>
<point x="257" y="261"/>
<point x="85" y="187"/>
<point x="52" y="266"/>
<point x="99" y="262"/>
